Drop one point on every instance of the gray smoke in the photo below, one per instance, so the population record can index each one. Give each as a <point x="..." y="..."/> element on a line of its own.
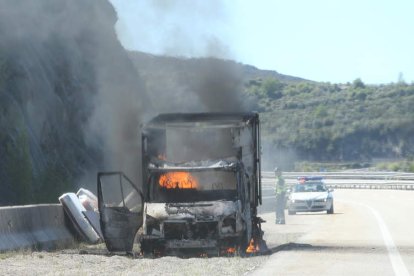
<point x="282" y="158"/>
<point x="73" y="99"/>
<point x="198" y="32"/>
<point x="218" y="84"/>
<point x="196" y="82"/>
<point x="187" y="28"/>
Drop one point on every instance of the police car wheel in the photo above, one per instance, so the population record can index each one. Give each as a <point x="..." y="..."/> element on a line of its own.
<point x="331" y="210"/>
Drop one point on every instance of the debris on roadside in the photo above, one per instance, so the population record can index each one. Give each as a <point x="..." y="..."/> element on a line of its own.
<point x="82" y="210"/>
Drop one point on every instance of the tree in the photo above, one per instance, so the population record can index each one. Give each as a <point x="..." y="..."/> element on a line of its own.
<point x="358" y="84"/>
<point x="272" y="88"/>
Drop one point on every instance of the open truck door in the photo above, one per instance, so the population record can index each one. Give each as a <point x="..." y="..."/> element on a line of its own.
<point x="120" y="207"/>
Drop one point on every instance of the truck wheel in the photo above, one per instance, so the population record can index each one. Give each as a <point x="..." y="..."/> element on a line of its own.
<point x="291" y="212"/>
<point x="147" y="251"/>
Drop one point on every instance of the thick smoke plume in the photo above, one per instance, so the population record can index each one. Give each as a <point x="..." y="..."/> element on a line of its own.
<point x="72" y="101"/>
<point x="198" y="31"/>
<point x="189" y="29"/>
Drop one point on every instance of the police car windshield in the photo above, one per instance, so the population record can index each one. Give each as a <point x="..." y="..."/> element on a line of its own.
<point x="309" y="187"/>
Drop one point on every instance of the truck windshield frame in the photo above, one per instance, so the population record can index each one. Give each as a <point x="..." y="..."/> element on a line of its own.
<point x="198" y="186"/>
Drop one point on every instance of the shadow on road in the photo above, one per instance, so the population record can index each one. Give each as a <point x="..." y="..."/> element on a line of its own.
<point x="368" y="249"/>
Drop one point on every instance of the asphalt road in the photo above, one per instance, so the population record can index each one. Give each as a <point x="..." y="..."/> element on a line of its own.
<point x="371" y="233"/>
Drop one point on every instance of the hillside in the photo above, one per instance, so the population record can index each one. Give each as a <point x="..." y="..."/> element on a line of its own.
<point x="149" y="64"/>
<point x="330" y="122"/>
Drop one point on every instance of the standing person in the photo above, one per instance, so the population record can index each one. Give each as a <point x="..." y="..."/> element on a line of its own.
<point x="280" y="197"/>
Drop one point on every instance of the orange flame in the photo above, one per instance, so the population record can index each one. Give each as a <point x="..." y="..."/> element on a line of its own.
<point x="231" y="250"/>
<point x="180" y="180"/>
<point x="252" y="248"/>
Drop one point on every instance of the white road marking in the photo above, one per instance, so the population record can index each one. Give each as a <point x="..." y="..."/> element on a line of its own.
<point x="267" y="197"/>
<point x="396" y="261"/>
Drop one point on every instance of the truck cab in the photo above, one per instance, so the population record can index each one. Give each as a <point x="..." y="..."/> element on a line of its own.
<point x="200" y="183"/>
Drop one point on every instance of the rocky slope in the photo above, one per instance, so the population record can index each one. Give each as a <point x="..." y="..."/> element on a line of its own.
<point x="70" y="99"/>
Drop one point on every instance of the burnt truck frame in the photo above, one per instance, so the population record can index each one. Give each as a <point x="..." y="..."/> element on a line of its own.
<point x="224" y="155"/>
<point x="201" y="187"/>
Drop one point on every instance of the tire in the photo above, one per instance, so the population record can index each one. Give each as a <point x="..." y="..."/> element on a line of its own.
<point x="291" y="212"/>
<point x="331" y="210"/>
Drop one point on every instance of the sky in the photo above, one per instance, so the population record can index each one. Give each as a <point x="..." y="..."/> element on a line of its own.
<point x="333" y="41"/>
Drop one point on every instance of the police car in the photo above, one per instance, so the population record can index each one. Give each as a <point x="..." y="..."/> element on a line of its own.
<point x="310" y="195"/>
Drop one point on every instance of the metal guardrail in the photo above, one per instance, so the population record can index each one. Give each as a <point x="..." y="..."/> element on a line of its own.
<point x="372" y="186"/>
<point x="356" y="180"/>
<point x="348" y="175"/>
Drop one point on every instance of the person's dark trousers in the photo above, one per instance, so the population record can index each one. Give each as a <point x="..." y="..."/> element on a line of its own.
<point x="280" y="208"/>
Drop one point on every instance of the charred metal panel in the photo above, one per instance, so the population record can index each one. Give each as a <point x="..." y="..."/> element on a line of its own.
<point x="187" y="224"/>
<point x="120" y="207"/>
<point x="179" y="230"/>
<point x="162" y="211"/>
<point x="204" y="230"/>
<point x="176" y="229"/>
<point x="179" y="244"/>
<point x="119" y="228"/>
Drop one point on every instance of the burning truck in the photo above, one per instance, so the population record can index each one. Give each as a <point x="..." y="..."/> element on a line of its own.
<point x="201" y="187"/>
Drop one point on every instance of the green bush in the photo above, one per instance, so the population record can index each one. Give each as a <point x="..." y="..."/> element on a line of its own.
<point x="331" y="122"/>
